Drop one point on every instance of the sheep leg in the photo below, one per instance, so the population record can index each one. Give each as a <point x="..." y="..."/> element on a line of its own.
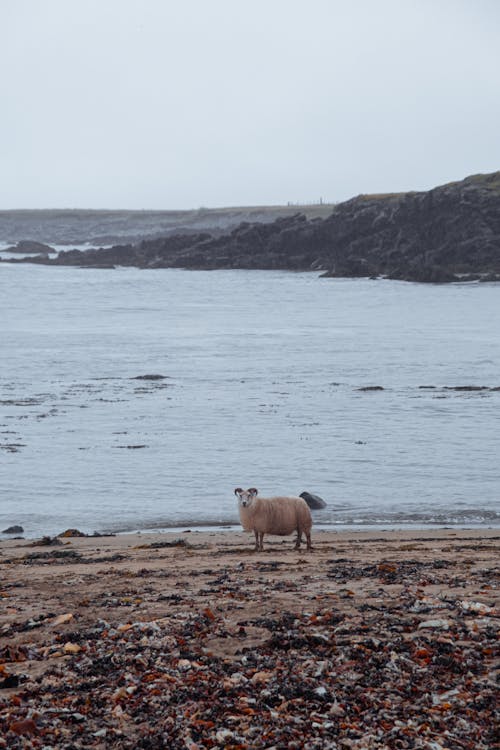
<point x="259" y="538"/>
<point x="256" y="540"/>
<point x="308" y="538"/>
<point x="299" y="539"/>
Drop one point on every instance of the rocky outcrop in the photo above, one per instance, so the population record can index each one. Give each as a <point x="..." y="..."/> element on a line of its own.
<point x="450" y="233"/>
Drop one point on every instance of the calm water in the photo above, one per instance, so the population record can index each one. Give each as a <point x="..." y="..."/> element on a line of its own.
<point x="262" y="389"/>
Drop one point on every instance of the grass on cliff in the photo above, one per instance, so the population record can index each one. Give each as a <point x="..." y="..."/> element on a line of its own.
<point x="490" y="181"/>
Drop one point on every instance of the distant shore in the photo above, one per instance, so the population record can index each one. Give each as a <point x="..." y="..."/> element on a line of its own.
<point x="448" y="234"/>
<point x="193" y="640"/>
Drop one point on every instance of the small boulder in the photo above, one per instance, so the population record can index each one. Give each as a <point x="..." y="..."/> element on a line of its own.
<point x="71" y="532"/>
<point x="315" y="502"/>
<point x="13" y="530"/>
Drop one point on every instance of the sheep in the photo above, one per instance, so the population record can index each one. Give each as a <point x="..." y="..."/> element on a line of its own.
<point x="274" y="515"/>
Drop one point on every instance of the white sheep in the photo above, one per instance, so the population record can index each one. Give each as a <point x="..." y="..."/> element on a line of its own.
<point x="274" y="515"/>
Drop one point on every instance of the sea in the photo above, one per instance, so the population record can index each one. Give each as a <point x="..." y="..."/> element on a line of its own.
<point x="139" y="399"/>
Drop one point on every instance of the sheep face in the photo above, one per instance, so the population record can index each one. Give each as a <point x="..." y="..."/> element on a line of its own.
<point x="245" y="497"/>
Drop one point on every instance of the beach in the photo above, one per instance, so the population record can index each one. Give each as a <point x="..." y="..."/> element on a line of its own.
<point x="375" y="639"/>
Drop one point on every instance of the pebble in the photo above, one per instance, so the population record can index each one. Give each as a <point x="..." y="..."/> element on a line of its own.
<point x="437" y="624"/>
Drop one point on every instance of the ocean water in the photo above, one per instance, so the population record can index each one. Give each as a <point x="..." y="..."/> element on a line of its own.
<point x="262" y="377"/>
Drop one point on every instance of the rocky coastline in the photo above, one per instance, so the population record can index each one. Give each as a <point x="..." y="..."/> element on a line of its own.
<point x="447" y="234"/>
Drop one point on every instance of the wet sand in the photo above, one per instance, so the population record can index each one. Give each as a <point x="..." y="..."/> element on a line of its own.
<point x="193" y="640"/>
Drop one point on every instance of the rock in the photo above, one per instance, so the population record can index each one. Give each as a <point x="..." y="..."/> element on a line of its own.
<point x="71" y="532"/>
<point x="466" y="388"/>
<point x="435" y="624"/>
<point x="47" y="541"/>
<point x="62" y="619"/>
<point x="30" y="246"/>
<point x="13" y="530"/>
<point x="315" y="502"/>
<point x="71" y="648"/>
<point x="150" y="377"/>
<point x="11" y="681"/>
<point x="479" y="608"/>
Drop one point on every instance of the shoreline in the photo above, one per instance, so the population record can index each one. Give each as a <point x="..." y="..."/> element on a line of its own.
<point x="376" y="639"/>
<point x="209" y="528"/>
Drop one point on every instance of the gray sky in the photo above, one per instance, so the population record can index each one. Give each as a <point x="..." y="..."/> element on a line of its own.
<point x="188" y="103"/>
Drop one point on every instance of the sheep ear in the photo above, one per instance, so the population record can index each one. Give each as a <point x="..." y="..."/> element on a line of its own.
<point x="253" y="491"/>
<point x="238" y="491"/>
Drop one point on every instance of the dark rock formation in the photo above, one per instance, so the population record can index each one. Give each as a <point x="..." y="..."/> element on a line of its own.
<point x="450" y="233"/>
<point x="150" y="377"/>
<point x="315" y="502"/>
<point x="13" y="530"/>
<point x="30" y="246"/>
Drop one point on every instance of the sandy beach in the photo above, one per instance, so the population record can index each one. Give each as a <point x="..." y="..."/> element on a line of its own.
<point x="193" y="640"/>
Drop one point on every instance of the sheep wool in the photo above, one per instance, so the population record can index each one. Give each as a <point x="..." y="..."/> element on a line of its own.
<point x="278" y="516"/>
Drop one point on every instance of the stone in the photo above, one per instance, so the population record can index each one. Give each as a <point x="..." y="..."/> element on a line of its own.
<point x="315" y="502"/>
<point x="30" y="246"/>
<point x="13" y="530"/>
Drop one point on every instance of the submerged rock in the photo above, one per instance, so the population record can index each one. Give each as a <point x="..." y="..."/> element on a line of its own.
<point x="150" y="377"/>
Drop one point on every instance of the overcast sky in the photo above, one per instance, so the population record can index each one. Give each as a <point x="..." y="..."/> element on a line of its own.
<point x="187" y="103"/>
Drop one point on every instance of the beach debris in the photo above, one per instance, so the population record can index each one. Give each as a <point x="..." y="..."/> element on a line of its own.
<point x="71" y="648"/>
<point x="9" y="681"/>
<point x="23" y="727"/>
<point x="439" y="624"/>
<point x="478" y="608"/>
<point x="63" y="619"/>
<point x="164" y="545"/>
<point x="66" y="556"/>
<point x="259" y="655"/>
<point x="61" y="555"/>
<point x="46" y="541"/>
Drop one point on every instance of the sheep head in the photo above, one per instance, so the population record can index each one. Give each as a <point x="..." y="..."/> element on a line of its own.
<point x="245" y="497"/>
